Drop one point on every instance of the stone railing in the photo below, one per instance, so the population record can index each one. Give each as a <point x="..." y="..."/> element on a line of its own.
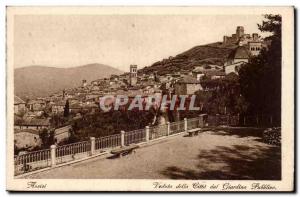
<point x="62" y="154"/>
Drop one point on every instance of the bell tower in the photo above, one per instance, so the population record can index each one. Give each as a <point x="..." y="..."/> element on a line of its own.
<point x="239" y="31"/>
<point x="84" y="83"/>
<point x="133" y="75"/>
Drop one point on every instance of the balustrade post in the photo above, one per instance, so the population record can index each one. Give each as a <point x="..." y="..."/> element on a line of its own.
<point x="185" y="125"/>
<point x="147" y="133"/>
<point x="53" y="155"/>
<point x="168" y="128"/>
<point x="92" y="139"/>
<point x="122" y="138"/>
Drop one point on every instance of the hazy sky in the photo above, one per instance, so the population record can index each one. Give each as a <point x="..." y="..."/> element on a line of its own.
<point x="118" y="41"/>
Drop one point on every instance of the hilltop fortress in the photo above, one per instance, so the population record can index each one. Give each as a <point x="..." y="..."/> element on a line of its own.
<point x="240" y="36"/>
<point x="253" y="43"/>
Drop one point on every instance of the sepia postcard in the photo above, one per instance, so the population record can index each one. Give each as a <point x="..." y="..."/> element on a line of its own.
<point x="185" y="99"/>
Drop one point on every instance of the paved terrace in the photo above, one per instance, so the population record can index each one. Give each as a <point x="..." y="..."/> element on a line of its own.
<point x="222" y="154"/>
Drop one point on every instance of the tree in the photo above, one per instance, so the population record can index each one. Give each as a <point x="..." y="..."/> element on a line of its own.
<point x="57" y="120"/>
<point x="109" y="123"/>
<point x="51" y="139"/>
<point x="73" y="138"/>
<point x="260" y="79"/>
<point x="224" y="96"/>
<point x="44" y="136"/>
<point x="67" y="109"/>
<point x="47" y="137"/>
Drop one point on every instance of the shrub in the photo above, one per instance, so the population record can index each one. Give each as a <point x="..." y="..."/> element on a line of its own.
<point x="272" y="136"/>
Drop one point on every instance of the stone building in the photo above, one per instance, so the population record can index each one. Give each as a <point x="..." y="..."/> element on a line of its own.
<point x="233" y="68"/>
<point x="62" y="134"/>
<point x="236" y="59"/>
<point x="58" y="107"/>
<point x="36" y="105"/>
<point x="254" y="47"/>
<point x="19" y="105"/>
<point x="187" y="85"/>
<point x="240" y="54"/>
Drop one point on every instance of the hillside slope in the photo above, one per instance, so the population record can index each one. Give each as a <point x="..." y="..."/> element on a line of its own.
<point x="34" y="81"/>
<point x="214" y="53"/>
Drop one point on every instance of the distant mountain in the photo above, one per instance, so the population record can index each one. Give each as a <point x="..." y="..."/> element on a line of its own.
<point x="34" y="81"/>
<point x="215" y="53"/>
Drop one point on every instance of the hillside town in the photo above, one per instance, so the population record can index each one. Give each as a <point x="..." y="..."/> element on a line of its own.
<point x="32" y="116"/>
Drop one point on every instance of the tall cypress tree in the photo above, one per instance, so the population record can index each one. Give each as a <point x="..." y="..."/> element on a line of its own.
<point x="67" y="109"/>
